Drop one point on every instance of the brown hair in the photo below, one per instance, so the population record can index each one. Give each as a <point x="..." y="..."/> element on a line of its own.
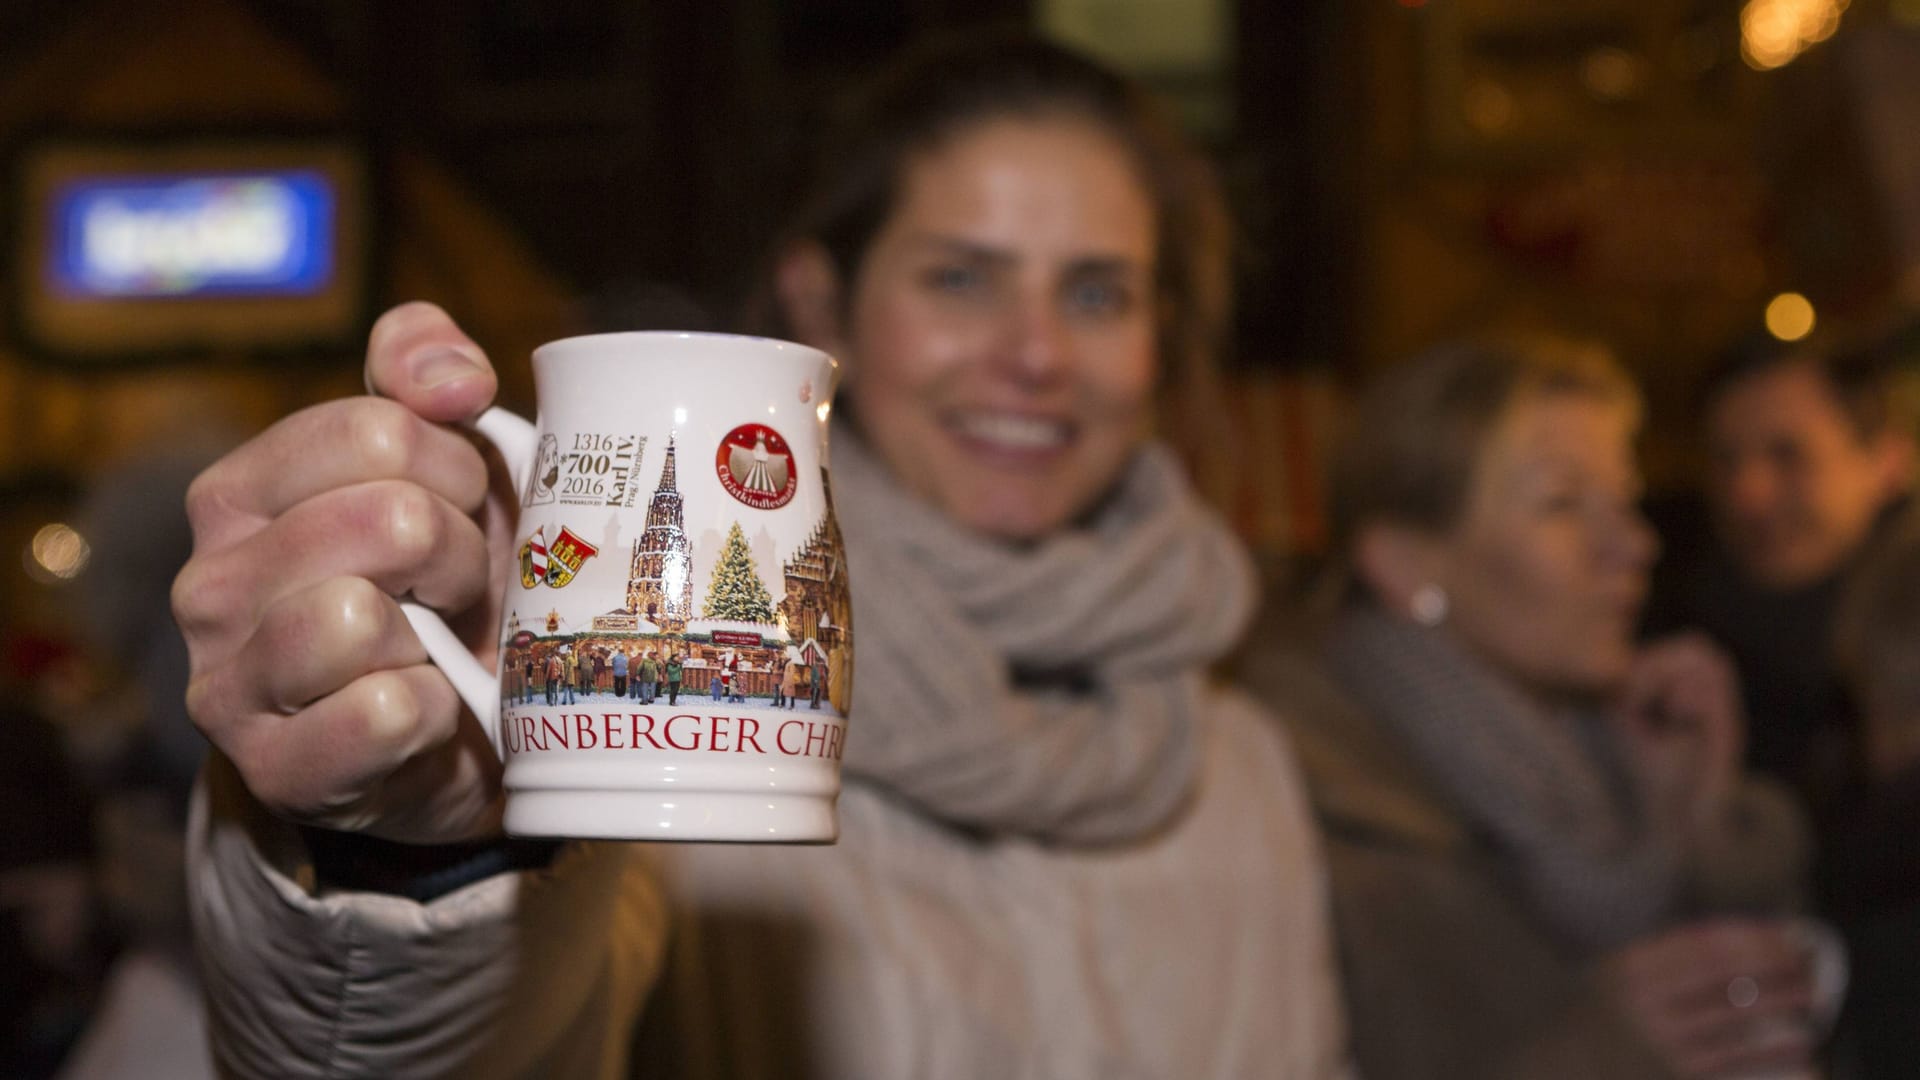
<point x="952" y="83"/>
<point x="1860" y="372"/>
<point x="1416" y="436"/>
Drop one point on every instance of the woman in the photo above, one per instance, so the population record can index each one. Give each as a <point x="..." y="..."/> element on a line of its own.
<point x="1087" y="862"/>
<point x="1539" y="837"/>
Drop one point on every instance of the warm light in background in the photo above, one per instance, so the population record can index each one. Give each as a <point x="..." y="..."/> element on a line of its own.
<point x="1612" y="74"/>
<point x="1906" y="11"/>
<point x="1489" y="107"/>
<point x="56" y="553"/>
<point x="1790" y="316"/>
<point x="1773" y="32"/>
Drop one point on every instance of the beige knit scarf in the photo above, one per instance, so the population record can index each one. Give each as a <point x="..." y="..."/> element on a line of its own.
<point x="1048" y="690"/>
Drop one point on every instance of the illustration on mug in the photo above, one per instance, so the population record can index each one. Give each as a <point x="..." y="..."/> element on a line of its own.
<point x="771" y="627"/>
<point x="546" y="472"/>
<point x="755" y="466"/>
<point x="554" y="565"/>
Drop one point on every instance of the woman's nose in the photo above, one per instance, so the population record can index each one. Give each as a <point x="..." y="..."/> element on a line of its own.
<point x="1628" y="541"/>
<point x="1037" y="348"/>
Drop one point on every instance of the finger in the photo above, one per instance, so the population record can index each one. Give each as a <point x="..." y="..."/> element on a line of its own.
<point x="1639" y="703"/>
<point x="1719" y="983"/>
<point x="1701" y="956"/>
<point x="308" y="645"/>
<point x="1650" y="684"/>
<point x="1694" y="662"/>
<point x="1701" y="712"/>
<point x="325" y="764"/>
<point x="1748" y="1052"/>
<point x="1707" y="677"/>
<point x="417" y="356"/>
<point x="1762" y="1018"/>
<point x="401" y="537"/>
<point x="337" y="444"/>
<point x="450" y="793"/>
<point x="1686" y="659"/>
<point x="1688" y="648"/>
<point x="318" y="640"/>
<point x="1775" y="1002"/>
<point x="1754" y="982"/>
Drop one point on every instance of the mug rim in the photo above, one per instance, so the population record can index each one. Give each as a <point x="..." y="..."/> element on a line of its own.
<point x="780" y="344"/>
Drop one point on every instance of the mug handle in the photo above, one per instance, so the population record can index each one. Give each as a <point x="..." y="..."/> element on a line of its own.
<point x="516" y="439"/>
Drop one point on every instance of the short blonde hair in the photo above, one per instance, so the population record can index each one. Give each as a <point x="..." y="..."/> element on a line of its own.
<point x="1417" y="435"/>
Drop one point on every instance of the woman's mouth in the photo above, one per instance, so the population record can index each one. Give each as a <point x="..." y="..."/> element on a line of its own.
<point x="1012" y="434"/>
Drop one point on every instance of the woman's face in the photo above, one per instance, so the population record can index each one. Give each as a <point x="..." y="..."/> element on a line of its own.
<point x="1000" y="341"/>
<point x="1546" y="572"/>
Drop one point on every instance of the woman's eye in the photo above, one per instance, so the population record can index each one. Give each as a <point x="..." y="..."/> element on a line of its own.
<point x="955" y="279"/>
<point x="1097" y="298"/>
<point x="1562" y="501"/>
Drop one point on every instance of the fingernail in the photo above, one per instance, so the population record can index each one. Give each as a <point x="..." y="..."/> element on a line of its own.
<point x="439" y="366"/>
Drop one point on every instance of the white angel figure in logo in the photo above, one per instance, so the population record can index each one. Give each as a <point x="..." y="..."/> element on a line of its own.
<point x="757" y="469"/>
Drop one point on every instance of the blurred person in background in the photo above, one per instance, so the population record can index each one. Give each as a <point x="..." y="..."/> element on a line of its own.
<point x="51" y="953"/>
<point x="1809" y="458"/>
<point x="1546" y="861"/>
<point x="1063" y="852"/>
<point x="150" y="1021"/>
<point x="1871" y="871"/>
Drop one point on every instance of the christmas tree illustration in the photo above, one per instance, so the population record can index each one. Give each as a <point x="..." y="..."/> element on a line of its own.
<point x="736" y="591"/>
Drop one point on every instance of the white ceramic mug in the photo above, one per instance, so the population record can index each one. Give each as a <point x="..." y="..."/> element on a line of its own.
<point x="674" y="509"/>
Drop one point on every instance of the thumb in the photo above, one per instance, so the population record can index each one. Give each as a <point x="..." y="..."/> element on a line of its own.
<point x="1641" y="690"/>
<point x="419" y="358"/>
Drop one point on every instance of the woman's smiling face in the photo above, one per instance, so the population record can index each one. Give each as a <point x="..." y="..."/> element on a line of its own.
<point x="1000" y="337"/>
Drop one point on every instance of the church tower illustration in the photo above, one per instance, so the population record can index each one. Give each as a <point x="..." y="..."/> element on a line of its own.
<point x="660" y="582"/>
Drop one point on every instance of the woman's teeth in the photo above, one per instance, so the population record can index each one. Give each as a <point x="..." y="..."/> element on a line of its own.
<point x="1013" y="432"/>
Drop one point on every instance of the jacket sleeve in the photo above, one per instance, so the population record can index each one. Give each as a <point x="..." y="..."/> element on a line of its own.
<point x="1445" y="978"/>
<point x="523" y="974"/>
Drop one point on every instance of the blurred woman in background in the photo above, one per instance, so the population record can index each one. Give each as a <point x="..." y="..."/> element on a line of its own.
<point x="1545" y="859"/>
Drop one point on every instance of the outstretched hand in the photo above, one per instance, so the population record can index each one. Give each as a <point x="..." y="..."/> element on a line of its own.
<point x="305" y="674"/>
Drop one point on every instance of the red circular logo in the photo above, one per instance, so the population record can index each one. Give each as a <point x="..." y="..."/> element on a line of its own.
<point x="755" y="465"/>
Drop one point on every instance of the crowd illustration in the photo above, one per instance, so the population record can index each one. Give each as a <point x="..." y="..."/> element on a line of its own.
<point x="587" y="672"/>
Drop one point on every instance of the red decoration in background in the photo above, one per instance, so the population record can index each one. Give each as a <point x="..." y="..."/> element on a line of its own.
<point x="1644" y="225"/>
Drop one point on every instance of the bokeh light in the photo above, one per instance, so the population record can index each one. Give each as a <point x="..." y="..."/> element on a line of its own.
<point x="55" y="554"/>
<point x="1790" y="316"/>
<point x="1773" y="32"/>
